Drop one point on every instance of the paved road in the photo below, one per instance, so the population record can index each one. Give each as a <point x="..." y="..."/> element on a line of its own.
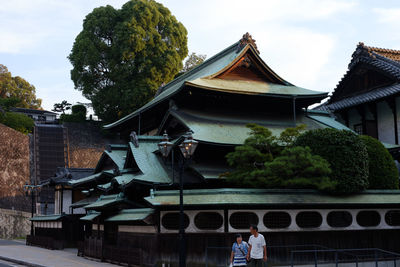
<point x="8" y="264"/>
<point x="51" y="258"/>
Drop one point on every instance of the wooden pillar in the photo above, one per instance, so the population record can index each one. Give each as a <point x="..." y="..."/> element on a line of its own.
<point x="392" y="104"/>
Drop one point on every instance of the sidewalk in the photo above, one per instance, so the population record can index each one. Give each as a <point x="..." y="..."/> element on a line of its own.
<point x="17" y="250"/>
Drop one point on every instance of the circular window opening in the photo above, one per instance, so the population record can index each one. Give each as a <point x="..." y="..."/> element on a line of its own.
<point x="170" y="221"/>
<point x="339" y="219"/>
<point x="368" y="218"/>
<point x="208" y="220"/>
<point x="243" y="220"/>
<point x="277" y="219"/>
<point x="392" y="217"/>
<point x="309" y="219"/>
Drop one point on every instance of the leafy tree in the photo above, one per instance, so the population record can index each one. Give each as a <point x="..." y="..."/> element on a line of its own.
<point x="17" y="87"/>
<point x="296" y="167"/>
<point x="192" y="61"/>
<point x="346" y="154"/>
<point x="122" y="56"/>
<point x="383" y="173"/>
<point x="7" y="103"/>
<point x="17" y="121"/>
<point x="61" y="107"/>
<point x="78" y="114"/>
<point x="272" y="162"/>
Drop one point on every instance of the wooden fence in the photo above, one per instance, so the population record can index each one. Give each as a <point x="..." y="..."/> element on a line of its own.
<point x="94" y="247"/>
<point x="45" y="242"/>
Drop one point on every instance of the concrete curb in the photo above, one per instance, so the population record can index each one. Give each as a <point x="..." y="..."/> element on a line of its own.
<point x="21" y="262"/>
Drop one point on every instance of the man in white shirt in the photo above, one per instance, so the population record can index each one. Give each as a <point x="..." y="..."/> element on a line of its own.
<point x="257" y="253"/>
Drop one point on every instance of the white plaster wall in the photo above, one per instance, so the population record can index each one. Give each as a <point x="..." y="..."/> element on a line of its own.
<point x="79" y="211"/>
<point x="293" y="226"/>
<point x="67" y="200"/>
<point x="57" y="199"/>
<point x="385" y="123"/>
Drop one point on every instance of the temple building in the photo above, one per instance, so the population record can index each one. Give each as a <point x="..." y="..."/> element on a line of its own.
<point x="128" y="206"/>
<point x="366" y="99"/>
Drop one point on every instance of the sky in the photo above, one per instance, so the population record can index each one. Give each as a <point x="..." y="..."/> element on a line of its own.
<point x="307" y="42"/>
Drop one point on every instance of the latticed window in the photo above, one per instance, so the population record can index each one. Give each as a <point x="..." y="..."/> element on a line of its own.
<point x="339" y="219"/>
<point x="243" y="220"/>
<point x="208" y="220"/>
<point x="368" y="218"/>
<point x="277" y="219"/>
<point x="309" y="219"/>
<point x="392" y="217"/>
<point x="170" y="221"/>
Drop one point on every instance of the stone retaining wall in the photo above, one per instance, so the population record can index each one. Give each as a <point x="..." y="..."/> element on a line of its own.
<point x="14" y="224"/>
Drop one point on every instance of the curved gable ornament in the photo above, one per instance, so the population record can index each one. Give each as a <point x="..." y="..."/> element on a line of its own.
<point x="247" y="39"/>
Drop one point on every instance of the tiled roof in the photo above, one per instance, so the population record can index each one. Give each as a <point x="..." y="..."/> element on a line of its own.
<point x="383" y="60"/>
<point x="33" y="111"/>
<point x="365" y="97"/>
<point x="388" y="53"/>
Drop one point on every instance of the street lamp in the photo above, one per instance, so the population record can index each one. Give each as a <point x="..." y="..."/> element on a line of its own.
<point x="32" y="190"/>
<point x="187" y="147"/>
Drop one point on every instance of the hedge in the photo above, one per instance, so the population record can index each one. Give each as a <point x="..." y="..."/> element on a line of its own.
<point x="17" y="121"/>
<point x="383" y="173"/>
<point x="345" y="152"/>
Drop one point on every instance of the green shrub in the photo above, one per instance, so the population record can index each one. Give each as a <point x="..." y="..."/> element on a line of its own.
<point x="263" y="161"/>
<point x="78" y="114"/>
<point x="346" y="154"/>
<point x="296" y="167"/>
<point x="383" y="173"/>
<point x="79" y="109"/>
<point x="17" y="121"/>
<point x="71" y="118"/>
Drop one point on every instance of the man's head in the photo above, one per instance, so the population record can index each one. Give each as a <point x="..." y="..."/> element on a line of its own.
<point x="238" y="238"/>
<point x="253" y="229"/>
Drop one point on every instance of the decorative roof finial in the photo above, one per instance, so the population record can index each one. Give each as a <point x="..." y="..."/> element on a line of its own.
<point x="247" y="39"/>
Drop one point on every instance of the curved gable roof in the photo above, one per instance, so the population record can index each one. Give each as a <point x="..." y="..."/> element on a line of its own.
<point x="214" y="67"/>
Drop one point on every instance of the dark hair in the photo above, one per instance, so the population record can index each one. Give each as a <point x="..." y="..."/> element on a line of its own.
<point x="237" y="236"/>
<point x="254" y="227"/>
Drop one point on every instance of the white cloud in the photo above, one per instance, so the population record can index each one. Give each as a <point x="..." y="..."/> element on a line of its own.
<point x="287" y="33"/>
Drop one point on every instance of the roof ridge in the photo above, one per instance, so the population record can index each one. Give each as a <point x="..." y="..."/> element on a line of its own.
<point x="198" y="67"/>
<point x="374" y="48"/>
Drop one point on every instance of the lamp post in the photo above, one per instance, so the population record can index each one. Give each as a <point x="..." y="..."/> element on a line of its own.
<point x="32" y="190"/>
<point x="187" y="147"/>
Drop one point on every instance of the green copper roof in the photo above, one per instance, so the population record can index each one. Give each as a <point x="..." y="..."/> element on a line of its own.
<point x="90" y="178"/>
<point x="327" y="120"/>
<point x="231" y="128"/>
<point x="83" y="202"/>
<point x="105" y="186"/>
<point x="208" y="67"/>
<point x="130" y="215"/>
<point x="271" y="197"/>
<point x="117" y="154"/>
<point x="209" y="171"/>
<point x="90" y="216"/>
<point x="253" y="87"/>
<point x="149" y="164"/>
<point x="215" y="65"/>
<point x="47" y="218"/>
<point x="106" y="201"/>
